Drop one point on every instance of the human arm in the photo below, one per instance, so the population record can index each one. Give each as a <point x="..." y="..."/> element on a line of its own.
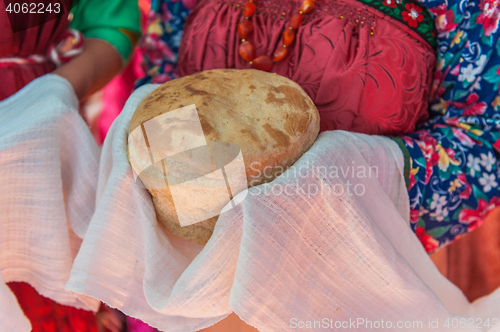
<point x="111" y="29"/>
<point x="92" y="69"/>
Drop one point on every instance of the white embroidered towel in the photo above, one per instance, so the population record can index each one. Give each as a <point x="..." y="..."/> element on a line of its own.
<point x="48" y="178"/>
<point x="300" y="250"/>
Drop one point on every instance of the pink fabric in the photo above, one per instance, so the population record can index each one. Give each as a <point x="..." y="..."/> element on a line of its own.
<point x="116" y="93"/>
<point x="136" y="325"/>
<point x="376" y="84"/>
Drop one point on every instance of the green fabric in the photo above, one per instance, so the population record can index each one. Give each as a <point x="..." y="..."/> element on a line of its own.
<point x="106" y="19"/>
<point x="397" y="8"/>
<point x="407" y="158"/>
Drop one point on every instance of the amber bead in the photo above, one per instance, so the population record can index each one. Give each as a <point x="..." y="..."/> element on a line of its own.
<point x="245" y="28"/>
<point x="295" y="21"/>
<point x="279" y="53"/>
<point x="263" y="62"/>
<point x="307" y="6"/>
<point x="248" y="9"/>
<point x="247" y="51"/>
<point x="288" y="36"/>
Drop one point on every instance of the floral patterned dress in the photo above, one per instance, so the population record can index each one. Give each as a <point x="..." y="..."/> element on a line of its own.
<point x="451" y="163"/>
<point x="160" y="44"/>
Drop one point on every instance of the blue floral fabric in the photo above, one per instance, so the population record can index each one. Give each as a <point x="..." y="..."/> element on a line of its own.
<point x="452" y="162"/>
<point x="160" y="44"/>
<point x="452" y="159"/>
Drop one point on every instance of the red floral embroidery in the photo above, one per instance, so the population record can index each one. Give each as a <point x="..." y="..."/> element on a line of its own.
<point x="489" y="17"/>
<point x="475" y="218"/>
<point x="465" y="194"/>
<point x="430" y="244"/>
<point x="444" y="18"/>
<point x="437" y="86"/>
<point x="456" y="70"/>
<point x="427" y="145"/>
<point x="412" y="180"/>
<point x="414" y="215"/>
<point x="496" y="145"/>
<point x="389" y="3"/>
<point x="413" y="15"/>
<point x="471" y="105"/>
<point x="408" y="141"/>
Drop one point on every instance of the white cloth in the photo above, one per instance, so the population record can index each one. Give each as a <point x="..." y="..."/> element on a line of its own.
<point x="276" y="260"/>
<point x="48" y="178"/>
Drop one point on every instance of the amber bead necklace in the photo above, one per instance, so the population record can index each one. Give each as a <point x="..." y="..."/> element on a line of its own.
<point x="245" y="28"/>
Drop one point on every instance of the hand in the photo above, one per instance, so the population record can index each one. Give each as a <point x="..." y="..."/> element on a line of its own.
<point x="92" y="69"/>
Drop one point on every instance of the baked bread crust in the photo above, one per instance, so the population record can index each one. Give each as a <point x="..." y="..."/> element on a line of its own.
<point x="268" y="116"/>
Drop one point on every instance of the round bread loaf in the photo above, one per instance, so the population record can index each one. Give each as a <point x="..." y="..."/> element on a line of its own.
<point x="269" y="117"/>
